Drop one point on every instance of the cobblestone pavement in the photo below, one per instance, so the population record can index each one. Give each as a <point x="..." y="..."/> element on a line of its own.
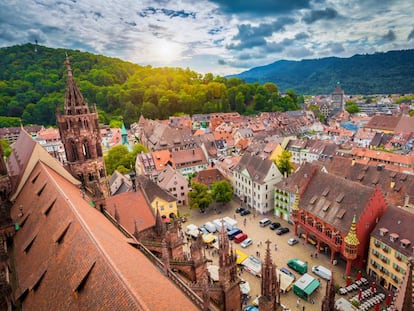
<point x="283" y="253"/>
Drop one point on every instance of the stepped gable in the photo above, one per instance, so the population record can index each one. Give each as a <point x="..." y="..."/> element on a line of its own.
<point x="326" y="188"/>
<point x="69" y="256"/>
<point x="132" y="209"/>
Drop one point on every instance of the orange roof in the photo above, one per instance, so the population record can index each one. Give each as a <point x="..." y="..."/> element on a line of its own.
<point x="161" y="158"/>
<point x="132" y="208"/>
<point x="69" y="256"/>
<point x="384" y="156"/>
<point x="49" y="134"/>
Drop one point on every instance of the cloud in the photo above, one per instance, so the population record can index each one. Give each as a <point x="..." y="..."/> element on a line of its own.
<point x="336" y="48"/>
<point x="261" y="7"/>
<point x="411" y="35"/>
<point x="148" y="11"/>
<point x="316" y="15"/>
<point x="301" y="36"/>
<point x="299" y="53"/>
<point x="390" y="36"/>
<point x="250" y="36"/>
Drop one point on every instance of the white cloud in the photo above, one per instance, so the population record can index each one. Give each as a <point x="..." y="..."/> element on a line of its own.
<point x="195" y="34"/>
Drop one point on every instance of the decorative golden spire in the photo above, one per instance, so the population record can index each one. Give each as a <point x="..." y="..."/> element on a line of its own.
<point x="351" y="238"/>
<point x="295" y="206"/>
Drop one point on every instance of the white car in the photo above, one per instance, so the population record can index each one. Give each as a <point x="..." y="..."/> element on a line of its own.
<point x="293" y="241"/>
<point x="323" y="272"/>
<point x="246" y="242"/>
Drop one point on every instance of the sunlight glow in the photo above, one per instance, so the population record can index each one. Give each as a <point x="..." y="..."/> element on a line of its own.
<point x="165" y="52"/>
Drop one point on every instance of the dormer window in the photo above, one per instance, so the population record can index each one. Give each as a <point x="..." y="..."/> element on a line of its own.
<point x="405" y="243"/>
<point x="383" y="231"/>
<point x="394" y="237"/>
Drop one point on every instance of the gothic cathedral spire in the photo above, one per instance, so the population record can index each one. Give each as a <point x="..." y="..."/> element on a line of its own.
<point x="79" y="131"/>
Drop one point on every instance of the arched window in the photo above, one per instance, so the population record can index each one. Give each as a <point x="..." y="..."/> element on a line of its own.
<point x="73" y="151"/>
<point x="338" y="239"/>
<point x="319" y="227"/>
<point x="328" y="233"/>
<point x="86" y="150"/>
<point x="303" y="218"/>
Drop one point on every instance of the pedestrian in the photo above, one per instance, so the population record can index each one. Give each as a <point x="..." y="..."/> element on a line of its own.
<point x="260" y="243"/>
<point x="297" y="303"/>
<point x="275" y="247"/>
<point x="316" y="255"/>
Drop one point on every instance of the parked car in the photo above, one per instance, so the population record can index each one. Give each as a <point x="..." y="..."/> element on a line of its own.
<point x="264" y="222"/>
<point x="287" y="272"/>
<point x="298" y="265"/>
<point x="323" y="272"/>
<point x="203" y="230"/>
<point x="245" y="212"/>
<point x="246" y="242"/>
<point x="293" y="241"/>
<point x="274" y="225"/>
<point x="240" y="237"/>
<point x="239" y="210"/>
<point x="282" y="230"/>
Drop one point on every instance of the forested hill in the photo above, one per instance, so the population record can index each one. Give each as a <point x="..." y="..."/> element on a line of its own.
<point x="33" y="83"/>
<point x="379" y="73"/>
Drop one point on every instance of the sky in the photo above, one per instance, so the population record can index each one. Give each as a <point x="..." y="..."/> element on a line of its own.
<point x="217" y="36"/>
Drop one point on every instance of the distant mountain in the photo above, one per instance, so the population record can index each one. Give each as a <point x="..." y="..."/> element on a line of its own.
<point x="379" y="73"/>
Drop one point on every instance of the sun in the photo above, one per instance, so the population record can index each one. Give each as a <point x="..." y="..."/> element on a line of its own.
<point x="165" y="52"/>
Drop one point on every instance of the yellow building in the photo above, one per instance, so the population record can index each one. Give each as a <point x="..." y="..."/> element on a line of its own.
<point x="159" y="199"/>
<point x="391" y="244"/>
<point x="279" y="148"/>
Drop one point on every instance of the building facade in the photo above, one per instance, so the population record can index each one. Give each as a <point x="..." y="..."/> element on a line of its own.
<point x="391" y="246"/>
<point x="80" y="134"/>
<point x="255" y="178"/>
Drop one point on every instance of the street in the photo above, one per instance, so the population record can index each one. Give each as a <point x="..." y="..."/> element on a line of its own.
<point x="250" y="225"/>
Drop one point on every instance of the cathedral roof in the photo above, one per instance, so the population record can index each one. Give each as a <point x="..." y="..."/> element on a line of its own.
<point x="69" y="256"/>
<point x="26" y="153"/>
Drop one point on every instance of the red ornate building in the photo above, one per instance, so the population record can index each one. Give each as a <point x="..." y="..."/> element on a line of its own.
<point x="337" y="215"/>
<point x="79" y="131"/>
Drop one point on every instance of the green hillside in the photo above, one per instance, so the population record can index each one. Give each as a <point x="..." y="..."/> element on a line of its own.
<point x="33" y="82"/>
<point x="379" y="73"/>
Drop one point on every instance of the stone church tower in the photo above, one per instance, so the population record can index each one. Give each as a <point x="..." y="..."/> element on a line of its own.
<point x="270" y="294"/>
<point x="228" y="279"/>
<point x="79" y="131"/>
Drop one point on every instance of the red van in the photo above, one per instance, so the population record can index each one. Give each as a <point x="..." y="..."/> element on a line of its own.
<point x="240" y="237"/>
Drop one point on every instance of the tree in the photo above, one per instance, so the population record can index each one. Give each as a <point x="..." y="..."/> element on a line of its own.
<point x="352" y="107"/>
<point x="7" y="150"/>
<point x="221" y="192"/>
<point x="284" y="163"/>
<point x="200" y="197"/>
<point x="118" y="157"/>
